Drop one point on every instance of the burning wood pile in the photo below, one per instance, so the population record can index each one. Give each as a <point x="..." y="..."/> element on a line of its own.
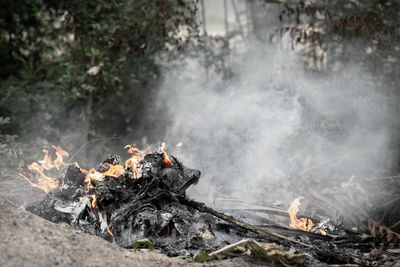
<point x="144" y="199"/>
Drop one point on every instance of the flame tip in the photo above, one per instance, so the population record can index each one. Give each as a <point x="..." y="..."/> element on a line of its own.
<point x="304" y="224"/>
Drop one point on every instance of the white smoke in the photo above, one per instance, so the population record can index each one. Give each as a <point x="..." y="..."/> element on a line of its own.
<point x="272" y="121"/>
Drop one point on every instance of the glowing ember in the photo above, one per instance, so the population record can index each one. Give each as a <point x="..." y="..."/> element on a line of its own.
<point x="303" y="224"/>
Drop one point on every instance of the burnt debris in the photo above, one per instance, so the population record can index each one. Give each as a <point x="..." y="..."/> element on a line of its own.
<point x="147" y="200"/>
<point x="126" y="209"/>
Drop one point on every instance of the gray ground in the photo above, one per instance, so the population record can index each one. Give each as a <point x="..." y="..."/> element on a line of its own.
<point x="28" y="240"/>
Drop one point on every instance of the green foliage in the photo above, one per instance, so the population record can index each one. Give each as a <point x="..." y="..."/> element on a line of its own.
<point x="19" y="44"/>
<point x="336" y="27"/>
<point x="269" y="252"/>
<point x="8" y="148"/>
<point x="5" y="139"/>
<point x="202" y="256"/>
<point x="90" y="69"/>
<point x="329" y="34"/>
<point x="275" y="253"/>
<point x="35" y="108"/>
<point x="86" y="67"/>
<point x="143" y="243"/>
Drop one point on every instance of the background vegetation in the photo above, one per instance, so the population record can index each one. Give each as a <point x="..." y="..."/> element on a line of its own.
<point x="85" y="70"/>
<point x="83" y="74"/>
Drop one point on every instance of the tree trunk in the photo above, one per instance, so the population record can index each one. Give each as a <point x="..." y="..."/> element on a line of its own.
<point x="86" y="111"/>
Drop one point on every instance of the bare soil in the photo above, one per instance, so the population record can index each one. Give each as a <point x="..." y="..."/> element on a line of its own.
<point x="28" y="240"/>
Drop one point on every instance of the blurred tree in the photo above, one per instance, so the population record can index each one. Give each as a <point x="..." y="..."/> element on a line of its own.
<point x="328" y="32"/>
<point x="98" y="60"/>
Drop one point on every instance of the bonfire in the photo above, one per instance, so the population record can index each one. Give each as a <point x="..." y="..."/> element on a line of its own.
<point x="142" y="202"/>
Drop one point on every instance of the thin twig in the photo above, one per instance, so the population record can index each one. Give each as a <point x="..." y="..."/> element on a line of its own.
<point x="394" y="225"/>
<point x="88" y="142"/>
<point x="229" y="247"/>
<point x="275" y="212"/>
<point x="245" y="201"/>
<point x="394" y="262"/>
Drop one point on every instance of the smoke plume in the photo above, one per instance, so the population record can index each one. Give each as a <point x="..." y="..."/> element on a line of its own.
<point x="274" y="121"/>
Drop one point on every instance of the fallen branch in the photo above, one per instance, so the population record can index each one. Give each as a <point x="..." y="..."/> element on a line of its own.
<point x="203" y="208"/>
<point x="275" y="212"/>
<point x="380" y="231"/>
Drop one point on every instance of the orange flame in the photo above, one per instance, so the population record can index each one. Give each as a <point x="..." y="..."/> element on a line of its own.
<point x="48" y="184"/>
<point x="137" y="156"/>
<point x="60" y="154"/>
<point x="94" y="203"/>
<point x="109" y="231"/>
<point x="114" y="171"/>
<point x="166" y="159"/>
<point x="79" y="167"/>
<point x="47" y="163"/>
<point x="304" y="224"/>
<point x="45" y="182"/>
<point x="93" y="175"/>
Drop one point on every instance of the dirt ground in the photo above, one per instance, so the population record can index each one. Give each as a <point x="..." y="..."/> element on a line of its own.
<point x="28" y="240"/>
